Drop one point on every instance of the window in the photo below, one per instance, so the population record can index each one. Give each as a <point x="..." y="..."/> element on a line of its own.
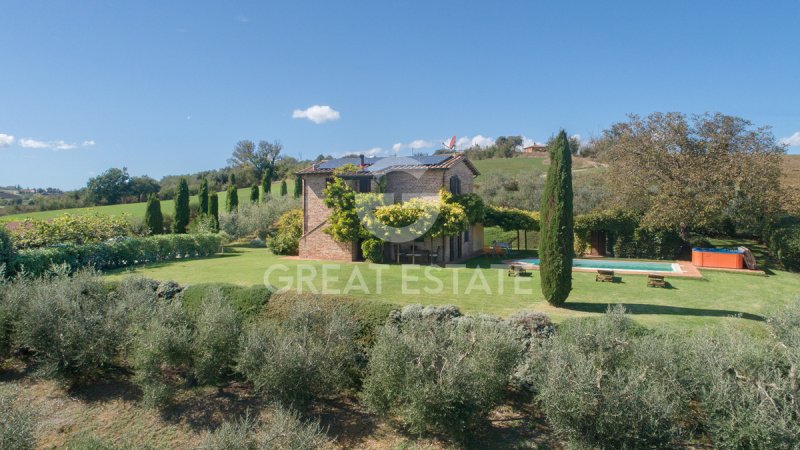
<point x="466" y="234"/>
<point x="455" y="185"/>
<point x="364" y="185"/>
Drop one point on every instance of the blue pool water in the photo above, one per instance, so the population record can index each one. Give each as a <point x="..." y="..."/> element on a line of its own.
<point x="638" y="266"/>
<point x="717" y="250"/>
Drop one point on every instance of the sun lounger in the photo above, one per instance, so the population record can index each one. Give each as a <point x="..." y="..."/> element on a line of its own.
<point x="515" y="270"/>
<point x="604" y="275"/>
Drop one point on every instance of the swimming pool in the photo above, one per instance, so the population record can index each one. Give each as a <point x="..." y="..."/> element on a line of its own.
<point x="631" y="266"/>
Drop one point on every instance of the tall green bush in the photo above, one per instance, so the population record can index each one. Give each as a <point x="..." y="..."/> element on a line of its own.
<point x="254" y="193"/>
<point x="181" y="220"/>
<point x="153" y="218"/>
<point x="284" y="188"/>
<point x="556" y="236"/>
<point x="213" y="208"/>
<point x="298" y="187"/>
<point x="232" y="199"/>
<point x="438" y="373"/>
<point x="202" y="196"/>
<point x="266" y="185"/>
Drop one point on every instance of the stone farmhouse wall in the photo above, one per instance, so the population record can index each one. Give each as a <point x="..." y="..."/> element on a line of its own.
<point x="316" y="244"/>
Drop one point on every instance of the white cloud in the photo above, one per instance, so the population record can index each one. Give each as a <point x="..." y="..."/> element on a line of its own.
<point x="413" y="145"/>
<point x="527" y="142"/>
<point x="317" y="114"/>
<point x="791" y="141"/>
<point x="419" y="143"/>
<point x="6" y="140"/>
<point x="53" y="145"/>
<point x="61" y="145"/>
<point x="374" y="151"/>
<point x="32" y="143"/>
<point x="478" y="140"/>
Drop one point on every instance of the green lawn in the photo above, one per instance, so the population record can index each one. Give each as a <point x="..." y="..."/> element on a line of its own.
<point x="510" y="166"/>
<point x="135" y="210"/>
<point x="690" y="303"/>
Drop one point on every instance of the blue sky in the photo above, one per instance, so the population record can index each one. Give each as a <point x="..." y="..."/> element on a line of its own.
<point x="169" y="87"/>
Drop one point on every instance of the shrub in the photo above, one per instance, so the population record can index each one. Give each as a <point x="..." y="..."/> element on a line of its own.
<point x="232" y="199"/>
<point x="153" y="217"/>
<point x="256" y="219"/>
<point x="372" y="249"/>
<point x="16" y="425"/>
<point x="785" y="245"/>
<point x="7" y="251"/>
<point x="70" y="326"/>
<point x="116" y="253"/>
<point x="181" y="220"/>
<point x="284" y="430"/>
<point x="213" y="208"/>
<point x="369" y="315"/>
<point x="216" y="339"/>
<point x="298" y="187"/>
<point x="202" y="197"/>
<point x="288" y="230"/>
<point x="603" y="383"/>
<point x="68" y="229"/>
<point x="747" y="387"/>
<point x="442" y="375"/>
<point x="312" y="354"/>
<point x="284" y="188"/>
<point x="247" y="301"/>
<point x="161" y="348"/>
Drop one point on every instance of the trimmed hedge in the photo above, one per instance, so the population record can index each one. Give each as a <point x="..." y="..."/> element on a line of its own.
<point x="247" y="301"/>
<point x="7" y="251"/>
<point x="112" y="254"/>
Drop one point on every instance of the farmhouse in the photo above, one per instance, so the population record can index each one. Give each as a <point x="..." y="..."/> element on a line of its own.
<point x="403" y="178"/>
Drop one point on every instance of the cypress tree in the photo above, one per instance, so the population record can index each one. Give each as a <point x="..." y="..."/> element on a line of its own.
<point x="153" y="218"/>
<point x="298" y="187"/>
<point x="266" y="185"/>
<point x="556" y="236"/>
<point x="232" y="199"/>
<point x="254" y="193"/>
<point x="213" y="208"/>
<point x="233" y="179"/>
<point x="202" y="195"/>
<point x="181" y="208"/>
<point x="284" y="188"/>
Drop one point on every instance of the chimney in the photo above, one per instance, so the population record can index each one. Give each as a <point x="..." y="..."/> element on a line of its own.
<point x="362" y="160"/>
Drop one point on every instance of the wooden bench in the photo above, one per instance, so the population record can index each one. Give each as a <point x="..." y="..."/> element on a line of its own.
<point x="656" y="281"/>
<point x="515" y="270"/>
<point x="604" y="275"/>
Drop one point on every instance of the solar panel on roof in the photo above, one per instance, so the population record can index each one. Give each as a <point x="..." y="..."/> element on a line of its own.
<point x="405" y="161"/>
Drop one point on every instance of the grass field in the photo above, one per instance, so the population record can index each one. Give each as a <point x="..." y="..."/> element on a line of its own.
<point x="690" y="303"/>
<point x="135" y="210"/>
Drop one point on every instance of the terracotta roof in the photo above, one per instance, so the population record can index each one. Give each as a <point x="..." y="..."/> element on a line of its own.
<point x="392" y="163"/>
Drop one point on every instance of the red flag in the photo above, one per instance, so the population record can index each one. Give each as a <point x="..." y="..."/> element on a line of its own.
<point x="452" y="143"/>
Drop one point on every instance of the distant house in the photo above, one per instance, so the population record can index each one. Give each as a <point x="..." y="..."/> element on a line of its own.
<point x="535" y="148"/>
<point x="405" y="177"/>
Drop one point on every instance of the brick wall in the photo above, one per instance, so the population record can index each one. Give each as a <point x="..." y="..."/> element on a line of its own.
<point x="315" y="243"/>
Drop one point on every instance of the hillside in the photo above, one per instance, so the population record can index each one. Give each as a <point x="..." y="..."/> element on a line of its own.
<point x="133" y="210"/>
<point x="507" y="166"/>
